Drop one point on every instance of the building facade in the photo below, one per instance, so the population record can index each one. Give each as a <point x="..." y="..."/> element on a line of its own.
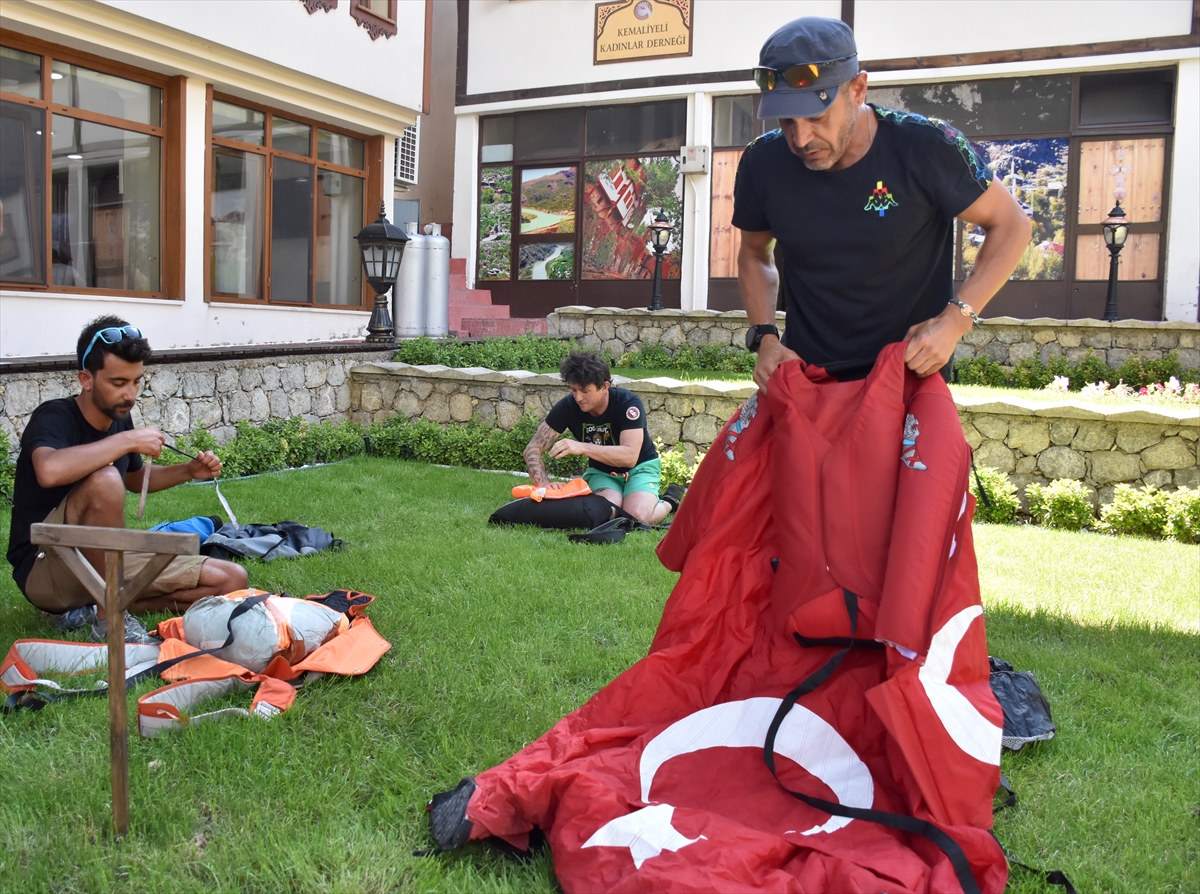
<point x="571" y="118"/>
<point x="198" y="168"/>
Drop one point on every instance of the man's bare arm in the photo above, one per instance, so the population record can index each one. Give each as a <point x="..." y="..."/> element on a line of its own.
<point x="539" y="444"/>
<point x="67" y="465"/>
<point x="758" y="281"/>
<point x="622" y="456"/>
<point x="204" y="467"/>
<point x="1007" y="229"/>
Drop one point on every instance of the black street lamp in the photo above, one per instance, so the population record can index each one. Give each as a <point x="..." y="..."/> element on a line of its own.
<point x="382" y="245"/>
<point x="1116" y="229"/>
<point x="660" y="235"/>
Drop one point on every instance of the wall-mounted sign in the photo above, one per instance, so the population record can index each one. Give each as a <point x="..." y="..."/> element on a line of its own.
<point x="629" y="30"/>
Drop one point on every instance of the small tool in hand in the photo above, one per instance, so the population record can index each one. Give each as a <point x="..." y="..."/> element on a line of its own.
<point x="216" y="484"/>
<point x="145" y="486"/>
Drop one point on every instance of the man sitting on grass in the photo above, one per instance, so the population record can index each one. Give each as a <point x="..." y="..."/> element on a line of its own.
<point x="609" y="428"/>
<point x="78" y="457"/>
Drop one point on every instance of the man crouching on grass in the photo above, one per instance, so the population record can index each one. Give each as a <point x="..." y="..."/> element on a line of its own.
<point x="79" y="455"/>
<point x="609" y="428"/>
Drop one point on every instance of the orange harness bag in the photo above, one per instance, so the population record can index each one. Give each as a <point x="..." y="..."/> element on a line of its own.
<point x="277" y="640"/>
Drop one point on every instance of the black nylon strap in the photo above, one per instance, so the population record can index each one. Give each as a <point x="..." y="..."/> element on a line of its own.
<point x="912" y="825"/>
<point x="983" y="494"/>
<point x="36" y="700"/>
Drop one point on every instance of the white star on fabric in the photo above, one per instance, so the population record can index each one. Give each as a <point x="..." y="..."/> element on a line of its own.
<point x="646" y="832"/>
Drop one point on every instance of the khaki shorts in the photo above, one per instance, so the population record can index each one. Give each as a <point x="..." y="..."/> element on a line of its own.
<point x="52" y="587"/>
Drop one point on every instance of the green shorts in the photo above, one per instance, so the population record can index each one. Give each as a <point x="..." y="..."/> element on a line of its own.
<point x="643" y="477"/>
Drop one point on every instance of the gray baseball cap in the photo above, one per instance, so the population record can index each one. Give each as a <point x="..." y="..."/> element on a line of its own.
<point x="818" y="53"/>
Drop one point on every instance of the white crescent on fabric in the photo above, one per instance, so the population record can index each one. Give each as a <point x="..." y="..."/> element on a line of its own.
<point x="803" y="737"/>
<point x="970" y="730"/>
<point x="646" y="832"/>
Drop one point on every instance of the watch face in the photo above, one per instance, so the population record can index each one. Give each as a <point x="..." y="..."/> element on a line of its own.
<point x="752" y="338"/>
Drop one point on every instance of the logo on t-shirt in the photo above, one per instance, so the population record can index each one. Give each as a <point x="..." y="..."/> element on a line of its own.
<point x="598" y="434"/>
<point x="881" y="199"/>
<point x="632" y="413"/>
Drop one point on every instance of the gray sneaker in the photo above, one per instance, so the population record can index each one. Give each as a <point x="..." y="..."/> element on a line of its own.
<point x="73" y="619"/>
<point x="135" y="632"/>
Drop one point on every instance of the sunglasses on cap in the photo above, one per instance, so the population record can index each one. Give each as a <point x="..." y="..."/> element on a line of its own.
<point x="796" y="76"/>
<point x="110" y="336"/>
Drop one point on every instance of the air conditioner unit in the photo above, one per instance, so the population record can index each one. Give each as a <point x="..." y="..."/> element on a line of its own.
<point x="406" y="154"/>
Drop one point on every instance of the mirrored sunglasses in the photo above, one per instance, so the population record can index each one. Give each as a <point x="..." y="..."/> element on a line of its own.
<point x="110" y="336"/>
<point x="796" y="76"/>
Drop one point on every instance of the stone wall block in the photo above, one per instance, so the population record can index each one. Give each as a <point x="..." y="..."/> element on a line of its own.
<point x="1189" y="358"/>
<point x="1047" y="352"/>
<point x="697" y="337"/>
<point x="533" y="404"/>
<point x="250" y="378"/>
<point x="484" y="392"/>
<point x="651" y="335"/>
<point x="1061" y="462"/>
<point x="1074" y="355"/>
<point x="326" y="402"/>
<point x="176" y="418"/>
<point x="1139" y="340"/>
<point x="280" y="408"/>
<point x="407" y="404"/>
<point x="992" y="427"/>
<point x="299" y="402"/>
<point x="654" y="401"/>
<point x="1189" y="339"/>
<point x="678" y="405"/>
<point x="1187" y="477"/>
<point x="383" y="415"/>
<point x="701" y="429"/>
<point x="292" y="377"/>
<point x="21" y="397"/>
<point x="486" y="412"/>
<point x="388" y="386"/>
<point x="978" y="337"/>
<point x="998" y="351"/>
<point x="437" y="408"/>
<point x="719" y="335"/>
<point x="605" y="330"/>
<point x="260" y="407"/>
<point x="423" y="388"/>
<point x="1136" y="438"/>
<point x="508" y="414"/>
<point x="227" y="380"/>
<point x="1068" y="338"/>
<point x="995" y="455"/>
<point x="1022" y="350"/>
<point x="1062" y="431"/>
<point x="1157" y="478"/>
<point x="1113" y="467"/>
<point x="151" y="412"/>
<point x="199" y="384"/>
<point x="1044" y="336"/>
<point x="1030" y="438"/>
<point x="1101" y="340"/>
<point x="315" y="373"/>
<point x="963" y="352"/>
<point x="207" y="413"/>
<point x="1094" y="436"/>
<point x="614" y="346"/>
<point x="664" y="427"/>
<point x="371" y="398"/>
<point x="164" y="383"/>
<point x="1026" y="465"/>
<point x="512" y="393"/>
<point x="54" y="387"/>
<point x="1173" y="453"/>
<point x="224" y="433"/>
<point x="672" y="337"/>
<point x="628" y="333"/>
<point x="723" y="409"/>
<point x="272" y="377"/>
<point x="569" y="327"/>
<point x="1117" y="356"/>
<point x="461" y="407"/>
<point x="972" y="435"/>
<point x="1010" y="335"/>
<point x="342" y="397"/>
<point x="590" y="341"/>
<point x="336" y="374"/>
<point x="1189" y="434"/>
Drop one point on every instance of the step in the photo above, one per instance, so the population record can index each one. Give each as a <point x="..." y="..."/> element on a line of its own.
<point x="470" y="297"/>
<point x="459" y="312"/>
<point x="471" y="327"/>
<point x="458" y="266"/>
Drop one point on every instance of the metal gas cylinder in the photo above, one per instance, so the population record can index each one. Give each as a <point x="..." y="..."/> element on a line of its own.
<point x="408" y="297"/>
<point x="437" y="282"/>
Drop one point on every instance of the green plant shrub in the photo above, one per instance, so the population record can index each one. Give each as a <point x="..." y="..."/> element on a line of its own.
<point x="522" y="352"/>
<point x="1140" y="511"/>
<point x="1001" y="494"/>
<point x="675" y="469"/>
<point x="8" y="469"/>
<point x="1035" y="374"/>
<point x="254" y="450"/>
<point x="1062" y="503"/>
<point x="1183" y="515"/>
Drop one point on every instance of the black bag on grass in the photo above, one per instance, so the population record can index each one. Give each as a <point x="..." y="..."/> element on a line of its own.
<point x="569" y="514"/>
<point x="1026" y="711"/>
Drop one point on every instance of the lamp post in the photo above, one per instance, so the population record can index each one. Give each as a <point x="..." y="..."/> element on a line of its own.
<point x="660" y="235"/>
<point x="382" y="245"/>
<point x="1116" y="229"/>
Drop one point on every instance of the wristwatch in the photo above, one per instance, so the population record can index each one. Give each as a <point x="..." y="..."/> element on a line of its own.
<point x="754" y="335"/>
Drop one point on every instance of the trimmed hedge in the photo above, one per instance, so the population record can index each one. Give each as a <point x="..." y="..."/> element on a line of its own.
<point x="1035" y="375"/>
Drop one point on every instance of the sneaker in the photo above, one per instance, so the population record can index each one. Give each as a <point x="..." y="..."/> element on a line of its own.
<point x="135" y="632"/>
<point x="673" y="495"/>
<point x="448" y="816"/>
<point x="73" y="619"/>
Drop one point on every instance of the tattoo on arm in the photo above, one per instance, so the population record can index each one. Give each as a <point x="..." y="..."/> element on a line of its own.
<point x="539" y="444"/>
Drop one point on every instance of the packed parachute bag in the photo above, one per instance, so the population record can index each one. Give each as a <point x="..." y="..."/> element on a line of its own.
<point x="248" y="639"/>
<point x="569" y="506"/>
<point x="230" y="540"/>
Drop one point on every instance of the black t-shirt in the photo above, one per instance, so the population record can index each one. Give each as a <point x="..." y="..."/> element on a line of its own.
<point x="623" y="413"/>
<point x="58" y="424"/>
<point x="868" y="250"/>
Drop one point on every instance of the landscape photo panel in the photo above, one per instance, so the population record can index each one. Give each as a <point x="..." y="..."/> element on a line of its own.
<point x="621" y="198"/>
<point x="495" y="224"/>
<point x="548" y="200"/>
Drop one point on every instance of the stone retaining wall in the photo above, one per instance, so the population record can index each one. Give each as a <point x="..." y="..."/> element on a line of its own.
<point x="1033" y="441"/>
<point x="1005" y="339"/>
<point x="214" y="394"/>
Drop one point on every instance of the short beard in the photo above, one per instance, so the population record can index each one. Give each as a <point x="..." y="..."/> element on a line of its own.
<point x="115" y="412"/>
<point x="837" y="150"/>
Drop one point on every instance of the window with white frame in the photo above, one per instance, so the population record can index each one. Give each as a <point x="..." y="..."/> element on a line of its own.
<point x="406" y="154"/>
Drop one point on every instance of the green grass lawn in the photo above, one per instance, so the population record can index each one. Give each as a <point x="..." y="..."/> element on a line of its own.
<point x="496" y="633"/>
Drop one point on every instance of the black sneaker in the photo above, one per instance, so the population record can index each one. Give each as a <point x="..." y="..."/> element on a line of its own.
<point x="73" y="619"/>
<point x="673" y="495"/>
<point x="135" y="632"/>
<point x="448" y="816"/>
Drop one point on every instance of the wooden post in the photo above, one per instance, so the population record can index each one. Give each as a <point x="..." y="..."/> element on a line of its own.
<point x="116" y="595"/>
<point x="118" y="719"/>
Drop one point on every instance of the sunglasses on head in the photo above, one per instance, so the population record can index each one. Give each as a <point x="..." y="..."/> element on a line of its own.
<point x="110" y="336"/>
<point x="795" y="76"/>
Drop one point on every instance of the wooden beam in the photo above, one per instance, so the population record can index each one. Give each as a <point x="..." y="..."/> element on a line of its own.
<point x="118" y="719"/>
<point x="84" y="537"/>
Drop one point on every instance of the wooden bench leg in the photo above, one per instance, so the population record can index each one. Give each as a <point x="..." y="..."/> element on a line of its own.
<point x="118" y="720"/>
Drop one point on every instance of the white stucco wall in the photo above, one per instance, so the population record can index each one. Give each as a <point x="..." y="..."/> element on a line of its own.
<point x="1181" y="299"/>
